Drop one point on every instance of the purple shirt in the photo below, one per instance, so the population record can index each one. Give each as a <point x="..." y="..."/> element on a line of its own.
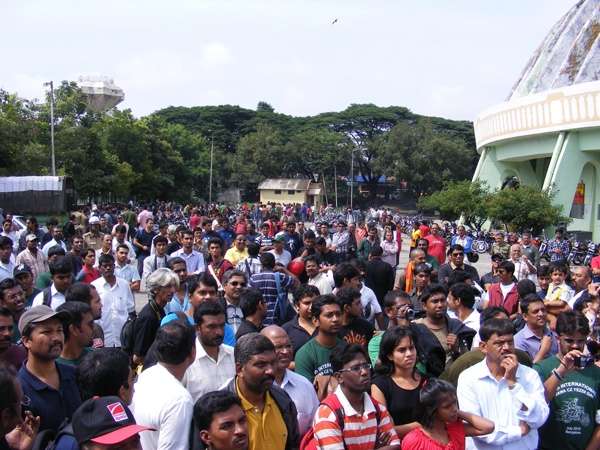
<point x="528" y="342"/>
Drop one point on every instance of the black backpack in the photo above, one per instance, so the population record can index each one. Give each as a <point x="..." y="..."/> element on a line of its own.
<point x="128" y="335"/>
<point x="48" y="439"/>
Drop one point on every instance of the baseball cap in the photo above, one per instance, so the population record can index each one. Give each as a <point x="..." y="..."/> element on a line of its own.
<point x="31" y="237"/>
<point x="22" y="268"/>
<point x="94" y="220"/>
<point x="41" y="313"/>
<point x="105" y="420"/>
<point x="498" y="256"/>
<point x="278" y="239"/>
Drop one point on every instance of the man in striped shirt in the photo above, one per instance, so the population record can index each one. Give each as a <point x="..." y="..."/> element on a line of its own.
<point x="367" y="423"/>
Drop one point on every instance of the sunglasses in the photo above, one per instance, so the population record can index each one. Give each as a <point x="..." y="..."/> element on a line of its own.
<point x="236" y="283"/>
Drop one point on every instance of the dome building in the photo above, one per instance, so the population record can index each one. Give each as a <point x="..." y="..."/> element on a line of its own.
<point x="548" y="129"/>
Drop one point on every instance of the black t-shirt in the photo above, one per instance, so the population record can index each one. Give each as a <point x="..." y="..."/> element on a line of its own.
<point x="173" y="247"/>
<point x="328" y="258"/>
<point x="144" y="238"/>
<point x="360" y="332"/>
<point x="298" y="335"/>
<point x="400" y="402"/>
<point x="146" y="326"/>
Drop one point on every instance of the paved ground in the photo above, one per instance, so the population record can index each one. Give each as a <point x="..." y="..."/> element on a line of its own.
<point x="483" y="266"/>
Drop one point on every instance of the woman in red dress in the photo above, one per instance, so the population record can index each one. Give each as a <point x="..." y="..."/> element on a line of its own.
<point x="442" y="426"/>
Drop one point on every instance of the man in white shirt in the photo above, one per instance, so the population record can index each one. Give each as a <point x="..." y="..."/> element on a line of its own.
<point x="160" y="401"/>
<point x="214" y="363"/>
<point x="282" y="256"/>
<point x="461" y="300"/>
<point x="126" y="271"/>
<point x="315" y="277"/>
<point x="523" y="267"/>
<point x="503" y="391"/>
<point x="298" y="388"/>
<point x="117" y="301"/>
<point x="61" y="273"/>
<point x="6" y="265"/>
<point x="7" y="231"/>
<point x="56" y="240"/>
<point x="194" y="260"/>
<point x="120" y="235"/>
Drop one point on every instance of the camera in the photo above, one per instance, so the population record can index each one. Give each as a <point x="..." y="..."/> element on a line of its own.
<point x="412" y="314"/>
<point x="584" y="361"/>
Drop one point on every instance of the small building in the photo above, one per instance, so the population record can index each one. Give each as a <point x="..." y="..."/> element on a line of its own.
<point x="292" y="191"/>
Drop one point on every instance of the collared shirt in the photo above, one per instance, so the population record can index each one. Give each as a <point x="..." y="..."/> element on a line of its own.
<point x="304" y="396"/>
<point x="6" y="270"/>
<point x="528" y="342"/>
<point x="91" y="240"/>
<point x="117" y="303"/>
<point x="51" y="243"/>
<point x="56" y="298"/>
<point x="234" y="315"/>
<point x="554" y="244"/>
<point x="176" y="304"/>
<point x="205" y="374"/>
<point x="37" y="263"/>
<point x="265" y="282"/>
<point x="321" y="283"/>
<point x="521" y="269"/>
<point x="127" y="272"/>
<point x="340" y="242"/>
<point x="266" y="431"/>
<point x="129" y="245"/>
<point x="472" y="322"/>
<point x="194" y="261"/>
<point x="253" y="264"/>
<point x="53" y="406"/>
<point x="480" y="393"/>
<point x="160" y="401"/>
<point x="234" y="256"/>
<point x="360" y="430"/>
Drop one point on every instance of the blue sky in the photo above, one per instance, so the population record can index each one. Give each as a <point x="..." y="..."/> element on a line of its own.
<point x="440" y="58"/>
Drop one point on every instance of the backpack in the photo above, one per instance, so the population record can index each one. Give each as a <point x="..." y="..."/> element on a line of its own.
<point x="331" y="401"/>
<point x="47" y="297"/>
<point x="128" y="335"/>
<point x="284" y="311"/>
<point x="49" y="439"/>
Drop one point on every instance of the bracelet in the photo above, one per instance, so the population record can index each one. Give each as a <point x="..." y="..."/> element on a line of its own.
<point x="557" y="375"/>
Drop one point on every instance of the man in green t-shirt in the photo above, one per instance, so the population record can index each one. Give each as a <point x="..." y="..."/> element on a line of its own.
<point x="78" y="333"/>
<point x="312" y="358"/>
<point x="129" y="218"/>
<point x="423" y="244"/>
<point x="572" y="391"/>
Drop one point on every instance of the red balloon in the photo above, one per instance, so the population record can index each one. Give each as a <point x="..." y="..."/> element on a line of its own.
<point x="296" y="267"/>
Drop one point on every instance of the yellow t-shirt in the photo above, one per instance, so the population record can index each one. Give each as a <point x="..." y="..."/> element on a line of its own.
<point x="414" y="236"/>
<point x="266" y="431"/>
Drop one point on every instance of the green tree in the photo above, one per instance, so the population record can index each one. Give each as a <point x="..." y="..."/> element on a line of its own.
<point x="260" y="155"/>
<point x="527" y="207"/>
<point x="462" y="198"/>
<point x="265" y="107"/>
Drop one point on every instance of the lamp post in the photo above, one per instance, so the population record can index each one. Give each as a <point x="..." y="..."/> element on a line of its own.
<point x="212" y="139"/>
<point x="51" y="84"/>
<point x="352" y="183"/>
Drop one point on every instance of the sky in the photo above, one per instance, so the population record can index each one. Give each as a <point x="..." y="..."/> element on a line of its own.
<point x="435" y="57"/>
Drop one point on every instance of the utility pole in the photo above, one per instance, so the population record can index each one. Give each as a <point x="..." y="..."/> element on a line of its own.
<point x="51" y="84"/>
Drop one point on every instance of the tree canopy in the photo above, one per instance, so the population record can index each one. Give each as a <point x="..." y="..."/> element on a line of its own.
<point x="167" y="154"/>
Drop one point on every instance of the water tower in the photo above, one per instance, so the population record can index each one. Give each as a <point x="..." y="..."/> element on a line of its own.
<point x="102" y="92"/>
<point x="548" y="130"/>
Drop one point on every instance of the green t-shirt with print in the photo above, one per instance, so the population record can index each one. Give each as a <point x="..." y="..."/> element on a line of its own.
<point x="312" y="359"/>
<point x="573" y="409"/>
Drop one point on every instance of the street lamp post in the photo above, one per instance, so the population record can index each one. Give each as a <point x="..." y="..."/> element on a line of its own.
<point x="212" y="140"/>
<point x="51" y="84"/>
<point x="352" y="183"/>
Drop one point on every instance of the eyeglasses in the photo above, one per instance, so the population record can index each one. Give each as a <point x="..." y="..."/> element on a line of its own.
<point x="237" y="283"/>
<point x="570" y="341"/>
<point x="279" y="348"/>
<point x="16" y="295"/>
<point x="357" y="369"/>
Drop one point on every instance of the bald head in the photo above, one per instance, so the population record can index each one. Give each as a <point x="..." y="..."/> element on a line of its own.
<point x="515" y="252"/>
<point x="417" y="257"/>
<point x="283" y="348"/>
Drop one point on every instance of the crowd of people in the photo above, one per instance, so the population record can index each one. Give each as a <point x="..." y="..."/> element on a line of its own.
<point x="266" y="331"/>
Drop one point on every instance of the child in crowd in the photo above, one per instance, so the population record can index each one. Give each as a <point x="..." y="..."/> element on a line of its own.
<point x="441" y="424"/>
<point x="559" y="292"/>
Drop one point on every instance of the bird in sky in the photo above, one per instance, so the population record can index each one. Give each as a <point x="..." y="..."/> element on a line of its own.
<point x="333" y="23"/>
